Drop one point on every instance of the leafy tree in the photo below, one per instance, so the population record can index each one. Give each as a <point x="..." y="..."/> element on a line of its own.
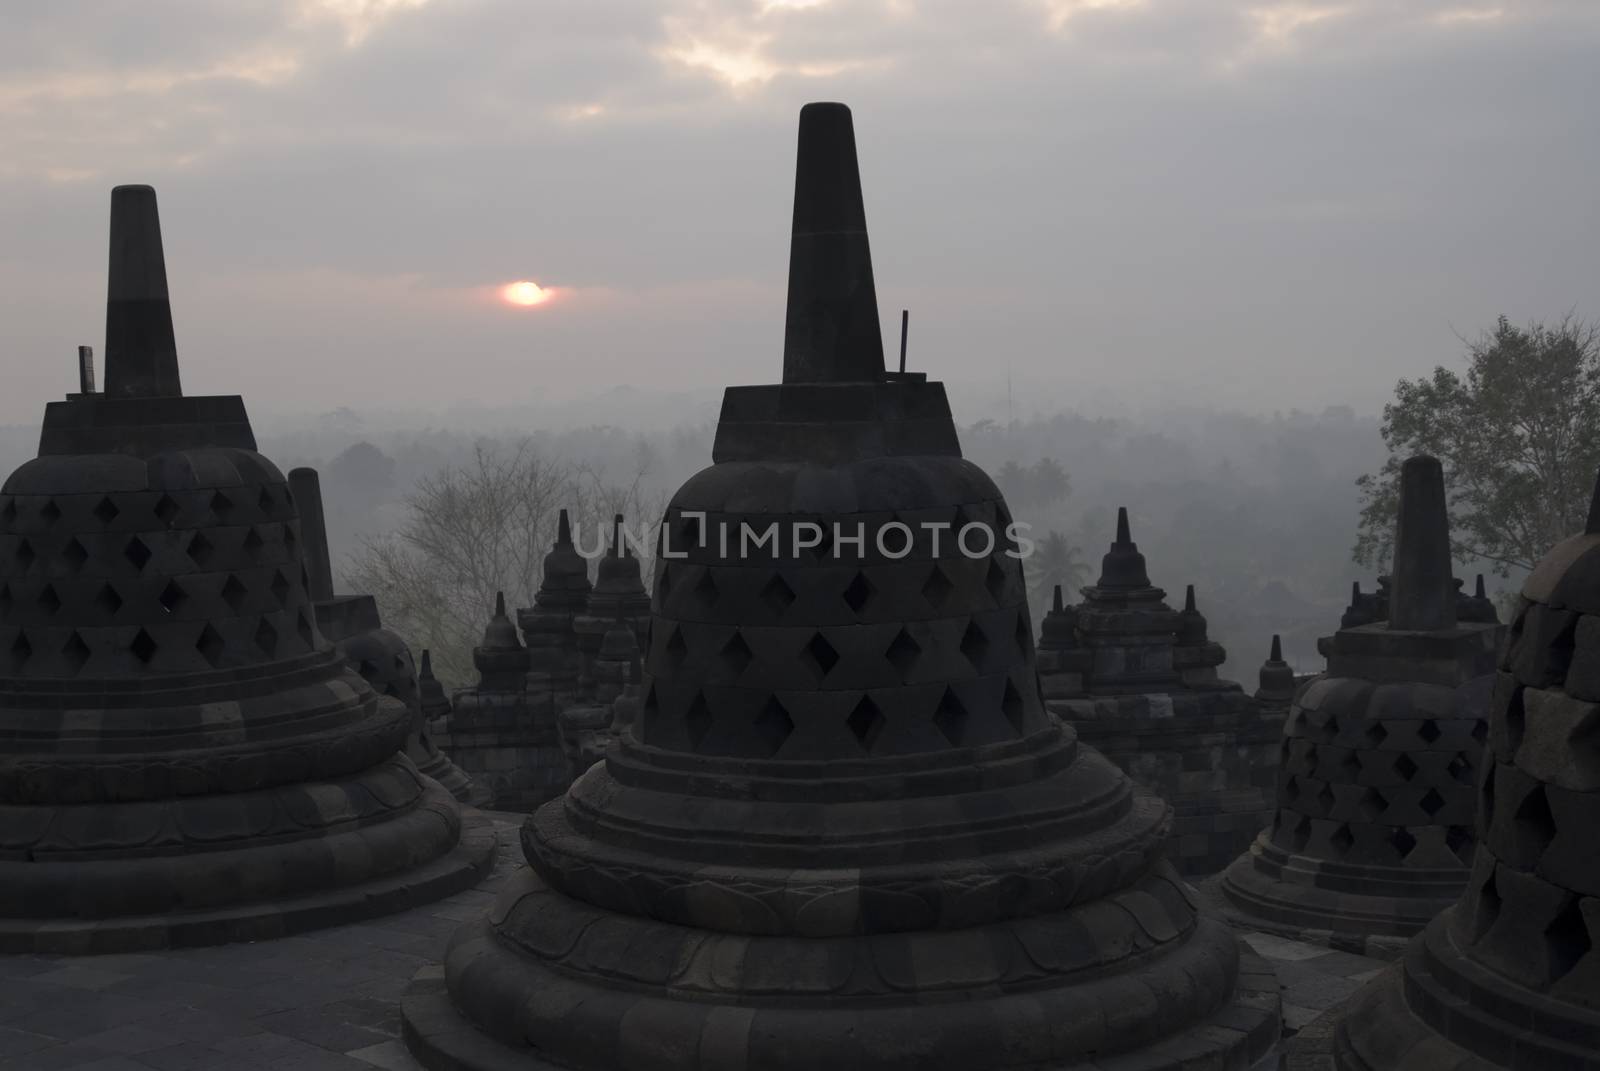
<point x="1516" y="436"/>
<point x="475" y="529"/>
<point x="1054" y="561"/>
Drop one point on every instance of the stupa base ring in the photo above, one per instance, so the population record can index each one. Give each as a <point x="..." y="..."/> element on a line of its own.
<point x="1399" y="1021"/>
<point x="468" y="862"/>
<point x="1242" y="1036"/>
<point x="1289" y="902"/>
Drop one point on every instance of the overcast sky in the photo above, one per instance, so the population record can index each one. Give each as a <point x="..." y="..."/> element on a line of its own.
<point x="1243" y="203"/>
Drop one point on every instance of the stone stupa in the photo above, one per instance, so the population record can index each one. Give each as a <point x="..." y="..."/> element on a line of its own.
<point x="844" y="831"/>
<point x="1508" y="978"/>
<point x="184" y="759"/>
<point x="1373" y="834"/>
<point x="1138" y="681"/>
<point x="383" y="659"/>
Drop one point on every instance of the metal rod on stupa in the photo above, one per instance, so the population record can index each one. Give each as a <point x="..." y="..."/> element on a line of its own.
<point x="905" y="328"/>
<point x="831" y="332"/>
<point x="141" y="353"/>
<point x="85" y="369"/>
<point x="1423" y="597"/>
<point x="306" y="487"/>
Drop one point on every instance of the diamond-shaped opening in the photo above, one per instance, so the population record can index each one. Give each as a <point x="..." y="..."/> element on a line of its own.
<point x="288" y="538"/>
<point x="48" y="600"/>
<point x="106" y="511"/>
<point x="8" y="513"/>
<point x="697" y="720"/>
<point x="676" y="649"/>
<point x="252" y="544"/>
<point x="866" y="722"/>
<point x="137" y="553"/>
<point x="994" y="581"/>
<point x="143" y="647"/>
<point x="1431" y="803"/>
<point x="1429" y="731"/>
<point x="663" y="585"/>
<point x="75" y="554"/>
<point x="776" y="595"/>
<point x="221" y="505"/>
<point x="200" y="549"/>
<point x="772" y="726"/>
<point x="1567" y="939"/>
<point x="21" y="650"/>
<point x="1486" y="798"/>
<point x="1371" y="805"/>
<point x="1405" y="766"/>
<point x="1012" y="706"/>
<point x="950" y="717"/>
<point x="1480" y="730"/>
<point x="172" y="596"/>
<point x="1309" y="760"/>
<point x="233" y="593"/>
<point x="1300" y="836"/>
<point x="266" y="637"/>
<point x="303" y="627"/>
<point x="279" y="586"/>
<point x="1402" y="840"/>
<point x="266" y="503"/>
<point x="108" y="601"/>
<point x="1460" y="769"/>
<point x="167" y="510"/>
<point x="1375" y="734"/>
<point x="1536" y="826"/>
<point x="1350" y="767"/>
<point x="936" y="589"/>
<point x="25" y="555"/>
<point x="858" y="594"/>
<point x="75" y="652"/>
<point x="50" y="513"/>
<point x="209" y="644"/>
<point x="1289" y="791"/>
<point x="706" y="589"/>
<point x="1341" y="839"/>
<point x="1487" y="908"/>
<point x="1516" y="720"/>
<point x="902" y="653"/>
<point x="736" y="655"/>
<point x="1330" y="730"/>
<point x="822" y="653"/>
<point x="1459" y="840"/>
<point x="975" y="645"/>
<point x="1326" y="798"/>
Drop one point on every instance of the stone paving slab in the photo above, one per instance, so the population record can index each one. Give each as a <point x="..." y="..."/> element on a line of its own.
<point x="329" y="1000"/>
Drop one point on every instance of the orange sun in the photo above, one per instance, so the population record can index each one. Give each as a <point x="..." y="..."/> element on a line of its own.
<point x="523" y="292"/>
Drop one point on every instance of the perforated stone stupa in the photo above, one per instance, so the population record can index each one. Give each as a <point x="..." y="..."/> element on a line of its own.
<point x="383" y="659"/>
<point x="1508" y="978"/>
<point x="845" y="832"/>
<point x="184" y="759"/>
<point x="1373" y="833"/>
<point x="1139" y="682"/>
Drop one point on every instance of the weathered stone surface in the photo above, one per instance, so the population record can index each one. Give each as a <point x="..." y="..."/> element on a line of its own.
<point x="184" y="758"/>
<point x="1508" y="977"/>
<point x="843" y="832"/>
<point x="1139" y="683"/>
<point x="1373" y="831"/>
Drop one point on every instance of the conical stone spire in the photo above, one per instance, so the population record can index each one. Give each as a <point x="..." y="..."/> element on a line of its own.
<point x="141" y="352"/>
<point x="165" y="689"/>
<point x="1372" y="835"/>
<point x="1508" y="977"/>
<point x="1423" y="596"/>
<point x="1123" y="566"/>
<point x="841" y="759"/>
<point x="1276" y="678"/>
<point x="832" y="333"/>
